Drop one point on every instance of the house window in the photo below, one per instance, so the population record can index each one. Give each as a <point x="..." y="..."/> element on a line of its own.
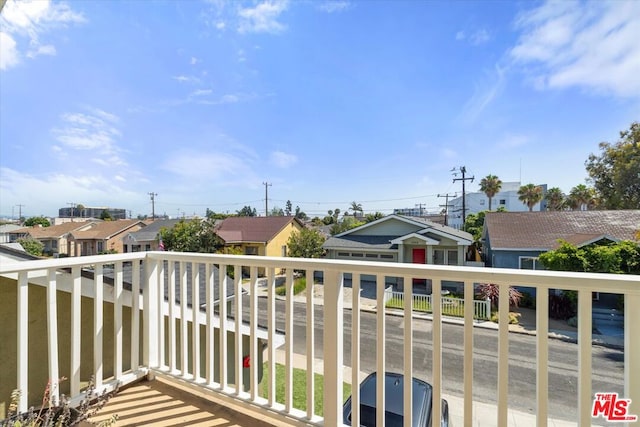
<point x="438" y="256"/>
<point x="345" y="254"/>
<point x="482" y="202"/>
<point x="251" y="250"/>
<point x="147" y="247"/>
<point x="503" y="201"/>
<point x="54" y="244"/>
<point x="357" y="255"/>
<point x="452" y="257"/>
<point x="386" y="256"/>
<point x="530" y="263"/>
<point x="371" y="255"/>
<point x="284" y="250"/>
<point x="100" y="247"/>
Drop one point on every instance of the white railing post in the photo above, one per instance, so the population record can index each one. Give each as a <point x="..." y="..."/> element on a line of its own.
<point x="76" y="336"/>
<point x="333" y="347"/>
<point x="632" y="352"/>
<point x="585" y="398"/>
<point x="152" y="316"/>
<point x="98" y="325"/>
<point x="52" y="330"/>
<point x="23" y="340"/>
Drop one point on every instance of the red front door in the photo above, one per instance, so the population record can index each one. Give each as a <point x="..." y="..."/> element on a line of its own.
<point x="419" y="257"/>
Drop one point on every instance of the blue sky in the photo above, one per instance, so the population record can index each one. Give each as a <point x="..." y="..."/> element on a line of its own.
<point x="330" y="102"/>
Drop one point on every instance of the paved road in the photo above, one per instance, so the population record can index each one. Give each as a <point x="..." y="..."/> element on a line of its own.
<point x="608" y="364"/>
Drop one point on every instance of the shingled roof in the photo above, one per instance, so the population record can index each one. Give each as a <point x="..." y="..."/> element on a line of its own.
<point x="254" y="229"/>
<point x="54" y="231"/>
<point x="541" y="230"/>
<point x="107" y="229"/>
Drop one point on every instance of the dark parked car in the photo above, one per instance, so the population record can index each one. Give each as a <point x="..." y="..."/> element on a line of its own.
<point x="394" y="403"/>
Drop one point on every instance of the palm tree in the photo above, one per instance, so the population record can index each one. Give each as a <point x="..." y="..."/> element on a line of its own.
<point x="490" y="185"/>
<point x="582" y="197"/>
<point x="356" y="207"/>
<point x="555" y="198"/>
<point x="530" y="194"/>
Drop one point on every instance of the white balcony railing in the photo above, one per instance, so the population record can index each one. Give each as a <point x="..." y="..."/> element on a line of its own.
<point x="142" y="331"/>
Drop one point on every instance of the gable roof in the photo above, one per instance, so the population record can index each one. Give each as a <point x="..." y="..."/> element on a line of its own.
<point x="255" y="229"/>
<point x="106" y="230"/>
<point x="150" y="232"/>
<point x="426" y="230"/>
<point x="541" y="230"/>
<point x="54" y="231"/>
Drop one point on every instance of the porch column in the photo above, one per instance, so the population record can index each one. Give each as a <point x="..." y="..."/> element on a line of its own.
<point x="461" y="255"/>
<point x="429" y="259"/>
<point x="333" y="347"/>
<point x="400" y="252"/>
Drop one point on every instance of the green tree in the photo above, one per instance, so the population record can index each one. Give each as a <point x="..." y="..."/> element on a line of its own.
<point x="247" y="211"/>
<point x="209" y="214"/>
<point x="581" y="197"/>
<point x="191" y="236"/>
<point x="288" y="207"/>
<point x="105" y="215"/>
<point x="32" y="246"/>
<point x="37" y="220"/>
<point x="300" y="215"/>
<point x="615" y="172"/>
<point x="555" y="199"/>
<point x="530" y="194"/>
<point x="373" y="217"/>
<point x="347" y="223"/>
<point x="276" y="211"/>
<point x="474" y="224"/>
<point x="356" y="207"/>
<point x="490" y="185"/>
<point x="306" y="243"/>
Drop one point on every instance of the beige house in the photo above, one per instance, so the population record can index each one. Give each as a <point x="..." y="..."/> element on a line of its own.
<point x="55" y="237"/>
<point x="103" y="237"/>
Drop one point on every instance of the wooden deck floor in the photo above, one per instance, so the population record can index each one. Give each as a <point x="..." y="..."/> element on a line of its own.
<point x="157" y="403"/>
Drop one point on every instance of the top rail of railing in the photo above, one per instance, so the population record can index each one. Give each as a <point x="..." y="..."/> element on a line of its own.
<point x="597" y="282"/>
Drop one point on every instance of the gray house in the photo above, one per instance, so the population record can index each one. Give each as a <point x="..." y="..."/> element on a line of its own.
<point x="516" y="239"/>
<point x="397" y="238"/>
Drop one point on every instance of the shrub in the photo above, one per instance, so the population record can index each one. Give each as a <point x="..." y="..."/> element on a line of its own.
<point x="59" y="413"/>
<point x="561" y="307"/>
<point x="492" y="292"/>
<point x="514" y="318"/>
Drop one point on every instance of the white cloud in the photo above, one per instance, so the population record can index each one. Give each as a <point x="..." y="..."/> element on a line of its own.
<point x="484" y="94"/>
<point x="282" y="160"/>
<point x="30" y="20"/>
<point x="220" y="25"/>
<point x="94" y="132"/>
<point x="588" y="45"/>
<point x="479" y="37"/>
<point x="194" y="60"/>
<point x="513" y="141"/>
<point x="9" y="55"/>
<point x="186" y="79"/>
<point x="42" y="50"/>
<point x="201" y="92"/>
<point x="263" y="18"/>
<point x="332" y="6"/>
<point x="460" y="35"/>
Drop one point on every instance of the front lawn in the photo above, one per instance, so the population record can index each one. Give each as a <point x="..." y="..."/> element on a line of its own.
<point x="299" y="388"/>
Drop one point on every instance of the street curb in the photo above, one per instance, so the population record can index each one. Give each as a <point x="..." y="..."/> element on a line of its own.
<point x="599" y="341"/>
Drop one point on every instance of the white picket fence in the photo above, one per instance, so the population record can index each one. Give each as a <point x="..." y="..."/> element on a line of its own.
<point x="450" y="306"/>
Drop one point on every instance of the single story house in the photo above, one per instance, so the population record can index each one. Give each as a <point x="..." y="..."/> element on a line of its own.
<point x="516" y="239"/>
<point x="103" y="237"/>
<point x="398" y="238"/>
<point x="259" y="235"/>
<point x="55" y="237"/>
<point x="146" y="239"/>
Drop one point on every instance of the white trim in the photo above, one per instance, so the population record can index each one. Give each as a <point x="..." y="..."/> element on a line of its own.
<point x="427" y="240"/>
<point x="459" y="240"/>
<point x="420" y="224"/>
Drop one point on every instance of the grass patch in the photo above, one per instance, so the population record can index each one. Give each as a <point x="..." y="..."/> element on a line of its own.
<point x="299" y="285"/>
<point x="299" y="388"/>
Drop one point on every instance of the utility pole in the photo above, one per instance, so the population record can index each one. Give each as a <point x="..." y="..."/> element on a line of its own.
<point x="153" y="204"/>
<point x="73" y="206"/>
<point x="463" y="171"/>
<point x="266" y="198"/>
<point x="20" y="212"/>
<point x="420" y="205"/>
<point x="446" y="205"/>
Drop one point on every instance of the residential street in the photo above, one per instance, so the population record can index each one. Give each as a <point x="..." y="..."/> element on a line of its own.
<point x="563" y="358"/>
